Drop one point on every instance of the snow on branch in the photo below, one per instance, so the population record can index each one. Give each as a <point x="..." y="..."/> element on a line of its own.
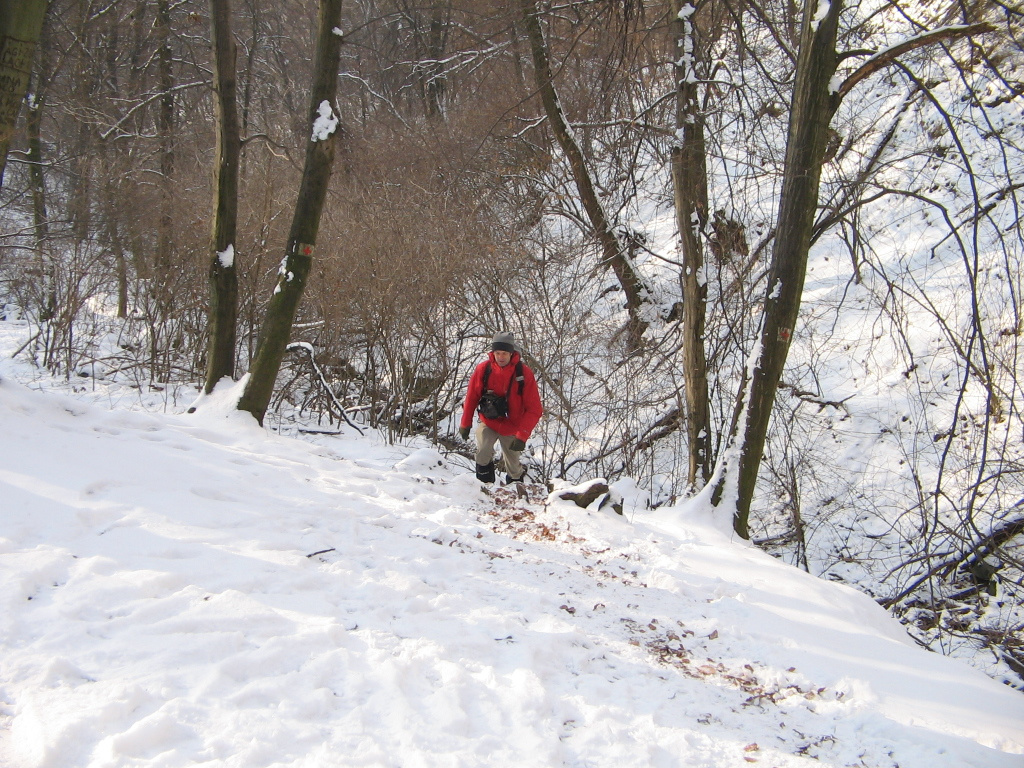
<point x="886" y="56"/>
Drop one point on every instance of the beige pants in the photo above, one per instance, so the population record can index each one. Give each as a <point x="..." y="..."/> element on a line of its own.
<point x="485" y="439"/>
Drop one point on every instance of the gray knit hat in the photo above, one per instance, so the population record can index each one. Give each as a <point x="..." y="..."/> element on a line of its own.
<point x="504" y="341"/>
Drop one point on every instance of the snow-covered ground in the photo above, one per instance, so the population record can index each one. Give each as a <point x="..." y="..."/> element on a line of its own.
<point x="185" y="590"/>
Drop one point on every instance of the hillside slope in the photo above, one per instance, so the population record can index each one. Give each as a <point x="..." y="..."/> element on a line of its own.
<point x="192" y="590"/>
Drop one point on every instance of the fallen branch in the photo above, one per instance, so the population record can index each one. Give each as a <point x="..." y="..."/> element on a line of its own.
<point x="977" y="553"/>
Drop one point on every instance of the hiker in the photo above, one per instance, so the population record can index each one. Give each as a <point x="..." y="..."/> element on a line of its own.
<point x="504" y="392"/>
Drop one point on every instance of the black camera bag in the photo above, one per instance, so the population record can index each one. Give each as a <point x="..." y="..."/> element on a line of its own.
<point x="495" y="406"/>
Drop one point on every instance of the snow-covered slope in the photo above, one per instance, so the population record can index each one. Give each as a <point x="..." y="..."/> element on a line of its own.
<point x="187" y="590"/>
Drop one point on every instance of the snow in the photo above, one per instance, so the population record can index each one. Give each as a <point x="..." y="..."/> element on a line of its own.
<point x="285" y="273"/>
<point x="325" y="123"/>
<point x="193" y="589"/>
<point x="227" y="256"/>
<point x="686" y="61"/>
<point x="820" y="13"/>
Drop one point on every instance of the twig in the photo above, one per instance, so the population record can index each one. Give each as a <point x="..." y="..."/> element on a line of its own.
<point x="308" y="349"/>
<point x="321" y="552"/>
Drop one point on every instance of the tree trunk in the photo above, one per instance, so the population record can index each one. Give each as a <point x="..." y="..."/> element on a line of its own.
<point x="40" y="218"/>
<point x="165" y="129"/>
<point x="613" y="250"/>
<point x="298" y="258"/>
<point x="811" y="111"/>
<point x="689" y="184"/>
<point x="437" y="83"/>
<point x="120" y="264"/>
<point x="21" y="22"/>
<point x="431" y="23"/>
<point x="220" y="355"/>
<point x="84" y="152"/>
<point x="33" y="126"/>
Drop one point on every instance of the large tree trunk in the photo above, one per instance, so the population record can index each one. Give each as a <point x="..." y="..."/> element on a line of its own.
<point x="613" y="250"/>
<point x="689" y="183"/>
<point x="220" y="355"/>
<point x="298" y="258"/>
<point x="21" y="22"/>
<point x="811" y="111"/>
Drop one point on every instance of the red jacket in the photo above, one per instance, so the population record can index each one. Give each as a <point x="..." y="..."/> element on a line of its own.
<point x="523" y="411"/>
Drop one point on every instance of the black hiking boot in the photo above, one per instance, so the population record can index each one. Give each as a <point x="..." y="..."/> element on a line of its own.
<point x="485" y="472"/>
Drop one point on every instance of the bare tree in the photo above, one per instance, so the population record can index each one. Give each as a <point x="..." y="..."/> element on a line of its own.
<point x="298" y="259"/>
<point x="690" y="192"/>
<point x="814" y="103"/>
<point x="614" y="251"/>
<point x="220" y="361"/>
<point x="165" y="126"/>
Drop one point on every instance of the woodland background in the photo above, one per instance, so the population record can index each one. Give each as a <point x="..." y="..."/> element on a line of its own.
<point x="893" y="459"/>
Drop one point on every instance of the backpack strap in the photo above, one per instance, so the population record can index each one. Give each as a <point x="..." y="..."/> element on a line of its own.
<point x="519" y="376"/>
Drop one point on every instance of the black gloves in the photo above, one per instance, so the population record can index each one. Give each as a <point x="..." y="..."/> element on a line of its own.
<point x="464" y="433"/>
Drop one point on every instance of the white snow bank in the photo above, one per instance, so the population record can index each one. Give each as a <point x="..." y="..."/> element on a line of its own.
<point x="183" y="590"/>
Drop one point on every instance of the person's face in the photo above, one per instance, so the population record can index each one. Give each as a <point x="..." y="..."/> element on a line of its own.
<point x="501" y="357"/>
